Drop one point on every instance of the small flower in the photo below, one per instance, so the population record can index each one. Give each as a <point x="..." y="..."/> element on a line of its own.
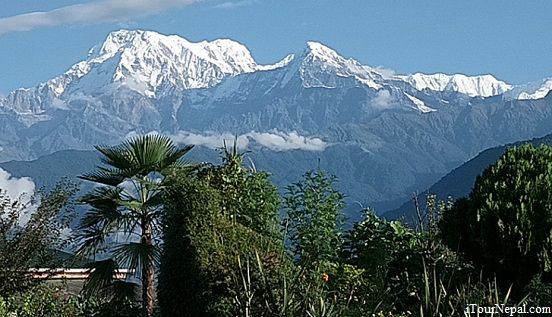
<point x="325" y="277"/>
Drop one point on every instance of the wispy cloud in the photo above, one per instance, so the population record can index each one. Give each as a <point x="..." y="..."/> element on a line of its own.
<point x="383" y="100"/>
<point x="211" y="140"/>
<point x="279" y="141"/>
<point x="21" y="190"/>
<point x="385" y="72"/>
<point x="275" y="140"/>
<point x="86" y="13"/>
<point x="232" y="5"/>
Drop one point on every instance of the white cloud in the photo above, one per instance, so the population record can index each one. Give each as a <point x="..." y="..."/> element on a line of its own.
<point x="288" y="141"/>
<point x="85" y="13"/>
<point x="211" y="140"/>
<point x="232" y="5"/>
<point x="21" y="190"/>
<point x="385" y="72"/>
<point x="134" y="134"/>
<point x="383" y="100"/>
<point x="16" y="188"/>
<point x="276" y="141"/>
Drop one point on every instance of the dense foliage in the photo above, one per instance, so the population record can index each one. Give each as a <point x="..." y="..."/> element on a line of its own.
<point x="191" y="210"/>
<point x="219" y="223"/>
<point x="247" y="196"/>
<point x="53" y="300"/>
<point x="225" y="253"/>
<point x="505" y="225"/>
<point x="31" y="229"/>
<point x="314" y="215"/>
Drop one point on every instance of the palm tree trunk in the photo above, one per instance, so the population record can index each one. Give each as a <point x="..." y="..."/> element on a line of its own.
<point x="148" y="273"/>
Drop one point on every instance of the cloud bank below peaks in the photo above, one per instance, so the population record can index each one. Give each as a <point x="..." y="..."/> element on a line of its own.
<point x="275" y="140"/>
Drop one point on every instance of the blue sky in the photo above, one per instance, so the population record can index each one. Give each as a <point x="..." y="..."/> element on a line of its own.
<point x="509" y="39"/>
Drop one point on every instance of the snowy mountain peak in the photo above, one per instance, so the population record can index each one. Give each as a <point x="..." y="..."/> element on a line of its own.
<point x="118" y="40"/>
<point x="482" y="85"/>
<point x="144" y="61"/>
<point x="323" y="52"/>
<point x="321" y="65"/>
<point x="151" y="64"/>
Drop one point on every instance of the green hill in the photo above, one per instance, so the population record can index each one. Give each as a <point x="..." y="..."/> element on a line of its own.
<point x="460" y="181"/>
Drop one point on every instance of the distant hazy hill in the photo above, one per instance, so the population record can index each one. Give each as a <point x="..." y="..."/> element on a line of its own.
<point x="47" y="170"/>
<point x="460" y="181"/>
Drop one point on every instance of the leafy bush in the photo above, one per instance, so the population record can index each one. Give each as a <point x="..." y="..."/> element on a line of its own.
<point x="39" y="301"/>
<point x="192" y="207"/>
<point x="314" y="212"/>
<point x="247" y="195"/>
<point x="30" y="234"/>
<point x="120" y="301"/>
<point x="219" y="223"/>
<point x="385" y="251"/>
<point x="53" y="301"/>
<point x="505" y="224"/>
<point x="539" y="292"/>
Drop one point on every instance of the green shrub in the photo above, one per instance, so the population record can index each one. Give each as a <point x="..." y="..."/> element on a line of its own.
<point x="32" y="243"/>
<point x="207" y="253"/>
<point x="539" y="292"/>
<point x="44" y="301"/>
<point x="505" y="225"/>
<point x="191" y="207"/>
<point x="247" y="195"/>
<point x="314" y="211"/>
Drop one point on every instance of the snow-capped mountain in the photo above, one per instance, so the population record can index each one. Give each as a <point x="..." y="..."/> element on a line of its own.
<point x="534" y="90"/>
<point x="146" y="61"/>
<point x="482" y="86"/>
<point x="321" y="66"/>
<point x="384" y="136"/>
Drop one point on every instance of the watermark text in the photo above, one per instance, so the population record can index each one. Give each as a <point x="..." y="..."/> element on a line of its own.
<point x="505" y="310"/>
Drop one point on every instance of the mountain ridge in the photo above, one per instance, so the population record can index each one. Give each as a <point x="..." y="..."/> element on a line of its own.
<point x="390" y="137"/>
<point x="233" y="58"/>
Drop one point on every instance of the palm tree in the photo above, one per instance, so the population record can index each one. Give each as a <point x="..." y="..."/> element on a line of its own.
<point x="123" y="222"/>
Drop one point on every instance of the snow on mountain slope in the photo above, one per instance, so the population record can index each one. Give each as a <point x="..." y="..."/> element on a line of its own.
<point x="420" y="105"/>
<point x="482" y="85"/>
<point x="284" y="62"/>
<point x="149" y="63"/>
<point x="321" y="65"/>
<point x="145" y="61"/>
<point x="534" y="90"/>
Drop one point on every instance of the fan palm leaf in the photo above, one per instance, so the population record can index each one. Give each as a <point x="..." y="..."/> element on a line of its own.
<point x="128" y="201"/>
<point x="101" y="277"/>
<point x="134" y="255"/>
<point x="142" y="155"/>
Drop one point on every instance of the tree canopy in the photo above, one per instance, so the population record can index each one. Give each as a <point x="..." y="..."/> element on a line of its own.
<point x="505" y="225"/>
